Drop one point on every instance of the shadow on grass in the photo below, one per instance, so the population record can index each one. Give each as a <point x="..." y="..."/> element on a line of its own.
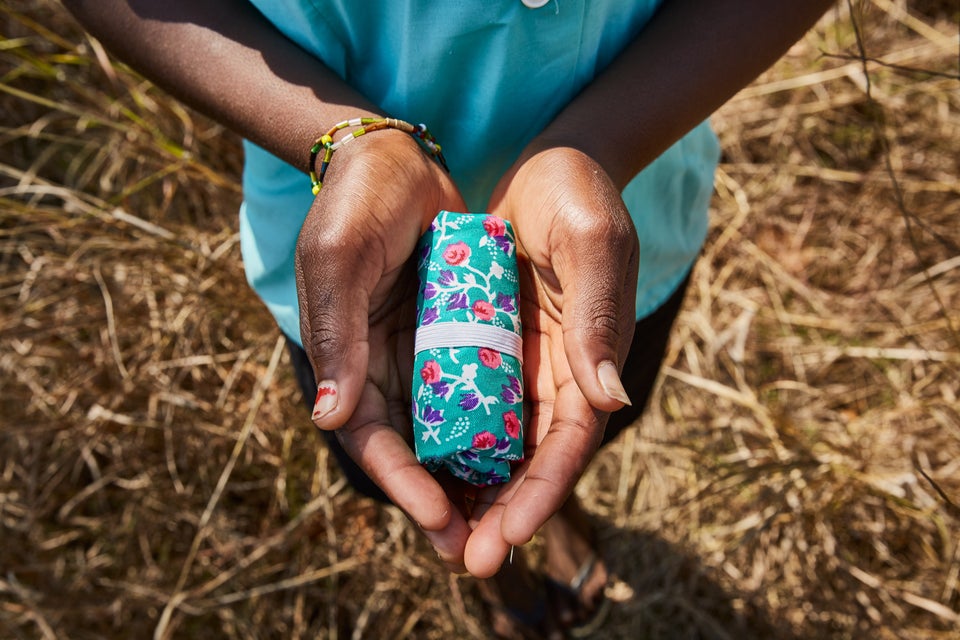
<point x="676" y="596"/>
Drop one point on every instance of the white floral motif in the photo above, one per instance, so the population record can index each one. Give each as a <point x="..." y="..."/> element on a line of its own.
<point x="461" y="427"/>
<point x="441" y="225"/>
<point x="430" y="431"/>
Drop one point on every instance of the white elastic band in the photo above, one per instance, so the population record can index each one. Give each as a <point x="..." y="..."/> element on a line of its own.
<point x="468" y="334"/>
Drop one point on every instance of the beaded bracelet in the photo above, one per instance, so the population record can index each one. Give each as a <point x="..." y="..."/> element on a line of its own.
<point x="366" y="125"/>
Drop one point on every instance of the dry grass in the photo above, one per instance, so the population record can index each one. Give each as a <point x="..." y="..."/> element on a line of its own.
<point x="798" y="474"/>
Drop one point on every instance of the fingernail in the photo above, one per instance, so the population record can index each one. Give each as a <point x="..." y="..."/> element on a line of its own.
<point x="610" y="381"/>
<point x="327" y="399"/>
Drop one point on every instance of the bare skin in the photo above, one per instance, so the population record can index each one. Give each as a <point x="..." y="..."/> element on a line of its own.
<point x="562" y="194"/>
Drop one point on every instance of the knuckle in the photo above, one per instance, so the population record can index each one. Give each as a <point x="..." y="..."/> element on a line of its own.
<point x="609" y="229"/>
<point x="617" y="229"/>
<point x="319" y="239"/>
<point x="324" y="337"/>
<point x="586" y="428"/>
<point x="602" y="316"/>
<point x="324" y="344"/>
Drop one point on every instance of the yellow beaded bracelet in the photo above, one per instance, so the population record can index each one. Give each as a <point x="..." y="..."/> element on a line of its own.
<point x="366" y="125"/>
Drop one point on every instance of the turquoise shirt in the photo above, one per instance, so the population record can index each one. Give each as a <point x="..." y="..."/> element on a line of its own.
<point x="486" y="76"/>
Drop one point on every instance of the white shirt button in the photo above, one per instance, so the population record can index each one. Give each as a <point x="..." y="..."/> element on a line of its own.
<point x="534" y="4"/>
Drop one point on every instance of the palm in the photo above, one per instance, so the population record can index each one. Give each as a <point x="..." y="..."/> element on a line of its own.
<point x="578" y="276"/>
<point x="357" y="289"/>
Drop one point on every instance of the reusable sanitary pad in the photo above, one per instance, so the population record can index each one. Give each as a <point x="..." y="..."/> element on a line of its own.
<point x="467" y="382"/>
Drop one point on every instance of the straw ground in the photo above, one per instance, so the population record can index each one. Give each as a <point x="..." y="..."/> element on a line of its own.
<point x="798" y="473"/>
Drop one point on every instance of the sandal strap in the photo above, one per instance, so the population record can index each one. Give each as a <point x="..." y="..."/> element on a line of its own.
<point x="576" y="584"/>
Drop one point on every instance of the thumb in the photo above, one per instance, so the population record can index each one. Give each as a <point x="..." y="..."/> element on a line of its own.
<point x="598" y="315"/>
<point x="334" y="307"/>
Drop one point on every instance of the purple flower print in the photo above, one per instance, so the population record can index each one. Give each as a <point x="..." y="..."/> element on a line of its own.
<point x="457" y="301"/>
<point x="469" y="401"/>
<point x="430" y="291"/>
<point x="503" y="242"/>
<point x="446" y="278"/>
<point x="430" y="315"/>
<point x="491" y="478"/>
<point x="505" y="302"/>
<point x="431" y="415"/>
<point x="440" y="388"/>
<point x="511" y="393"/>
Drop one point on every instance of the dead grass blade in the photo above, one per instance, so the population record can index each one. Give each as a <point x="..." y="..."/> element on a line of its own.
<point x="797" y="474"/>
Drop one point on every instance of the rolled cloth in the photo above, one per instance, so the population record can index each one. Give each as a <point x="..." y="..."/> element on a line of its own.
<point x="467" y="383"/>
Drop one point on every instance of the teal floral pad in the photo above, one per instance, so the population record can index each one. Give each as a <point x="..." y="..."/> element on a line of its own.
<point x="467" y="384"/>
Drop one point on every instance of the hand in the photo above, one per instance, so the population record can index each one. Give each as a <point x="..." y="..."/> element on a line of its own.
<point x="579" y="256"/>
<point x="357" y="288"/>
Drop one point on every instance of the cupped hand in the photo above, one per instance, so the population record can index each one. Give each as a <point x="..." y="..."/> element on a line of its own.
<point x="579" y="255"/>
<point x="357" y="292"/>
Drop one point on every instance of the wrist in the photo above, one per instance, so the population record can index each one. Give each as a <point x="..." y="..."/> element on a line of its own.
<point x="551" y="180"/>
<point x="391" y="167"/>
<point x="588" y="150"/>
<point x="346" y="132"/>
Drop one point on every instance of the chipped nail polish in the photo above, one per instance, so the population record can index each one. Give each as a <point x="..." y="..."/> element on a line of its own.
<point x="327" y="399"/>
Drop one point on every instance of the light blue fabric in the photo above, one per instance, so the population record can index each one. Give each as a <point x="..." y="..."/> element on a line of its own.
<point x="486" y="76"/>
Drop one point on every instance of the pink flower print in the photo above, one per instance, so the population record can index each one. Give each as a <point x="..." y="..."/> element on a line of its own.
<point x="489" y="357"/>
<point x="484" y="440"/>
<point x="512" y="424"/>
<point x="483" y="310"/>
<point x="456" y="253"/>
<point x="494" y="226"/>
<point x="431" y="372"/>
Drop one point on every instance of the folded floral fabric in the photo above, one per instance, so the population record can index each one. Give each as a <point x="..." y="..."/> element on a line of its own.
<point x="467" y="384"/>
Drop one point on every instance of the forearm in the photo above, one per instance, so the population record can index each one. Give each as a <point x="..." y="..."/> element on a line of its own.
<point x="223" y="58"/>
<point x="690" y="59"/>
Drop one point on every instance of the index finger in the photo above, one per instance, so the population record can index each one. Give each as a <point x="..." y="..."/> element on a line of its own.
<point x="542" y="485"/>
<point x="575" y="433"/>
<point x="375" y="445"/>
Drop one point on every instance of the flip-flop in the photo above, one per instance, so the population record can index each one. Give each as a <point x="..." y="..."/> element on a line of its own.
<point x="573" y="591"/>
<point x="529" y="624"/>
